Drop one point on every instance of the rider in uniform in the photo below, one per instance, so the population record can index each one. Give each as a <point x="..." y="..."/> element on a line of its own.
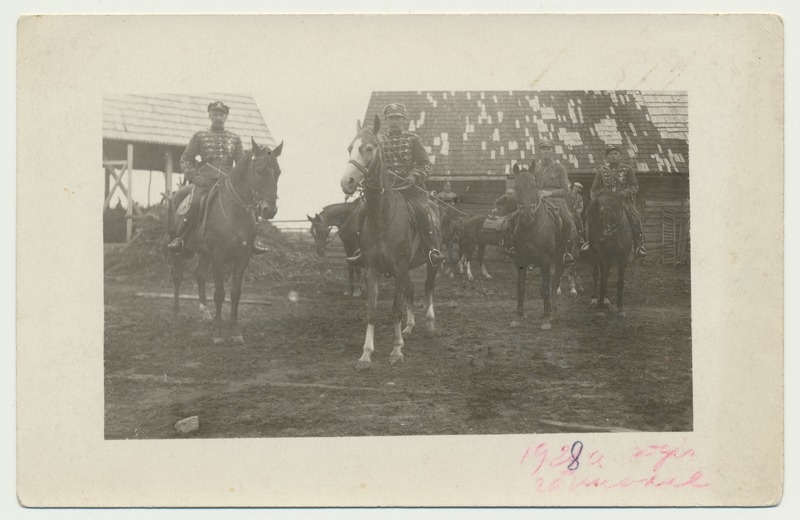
<point x="553" y="185"/>
<point x="219" y="150"/>
<point x="619" y="178"/>
<point x="404" y="156"/>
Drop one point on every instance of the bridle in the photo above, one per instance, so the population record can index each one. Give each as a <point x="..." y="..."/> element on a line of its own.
<point x="365" y="171"/>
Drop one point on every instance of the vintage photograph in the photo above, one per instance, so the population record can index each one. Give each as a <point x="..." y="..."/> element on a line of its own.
<point x="464" y="262"/>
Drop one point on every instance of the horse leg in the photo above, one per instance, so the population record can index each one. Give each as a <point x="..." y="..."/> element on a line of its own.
<point x="620" y="285"/>
<point x="544" y="290"/>
<point x="430" y="315"/>
<point x="397" y="314"/>
<point x="219" y="298"/>
<point x="602" y="301"/>
<point x="522" y="280"/>
<point x="236" y="294"/>
<point x="373" y="277"/>
<point x="572" y="277"/>
<point x="357" y="282"/>
<point x="481" y="251"/>
<point x="200" y="275"/>
<point x="595" y="280"/>
<point x="410" y="319"/>
<point x="176" y="272"/>
<point x="578" y="281"/>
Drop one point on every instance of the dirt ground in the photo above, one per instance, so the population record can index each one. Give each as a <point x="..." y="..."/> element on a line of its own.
<point x="295" y="377"/>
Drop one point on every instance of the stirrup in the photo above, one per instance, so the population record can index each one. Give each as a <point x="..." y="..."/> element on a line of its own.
<point x="257" y="249"/>
<point x="510" y="252"/>
<point x="435" y="257"/>
<point x="641" y="251"/>
<point x="355" y="259"/>
<point x="176" y="245"/>
<point x="568" y="260"/>
<point x="585" y="247"/>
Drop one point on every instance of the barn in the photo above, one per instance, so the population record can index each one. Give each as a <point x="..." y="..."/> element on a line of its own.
<point x="148" y="132"/>
<point x="473" y="138"/>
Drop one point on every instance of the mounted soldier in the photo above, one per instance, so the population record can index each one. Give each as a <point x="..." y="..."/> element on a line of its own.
<point x="219" y="150"/>
<point x="619" y="178"/>
<point x="553" y="185"/>
<point x="405" y="157"/>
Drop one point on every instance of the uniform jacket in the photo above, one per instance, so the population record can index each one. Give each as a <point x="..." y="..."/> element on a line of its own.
<point x="552" y="177"/>
<point x="219" y="149"/>
<point x="618" y="178"/>
<point x="404" y="155"/>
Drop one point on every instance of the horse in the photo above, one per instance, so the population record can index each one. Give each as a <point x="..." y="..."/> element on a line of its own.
<point x="536" y="241"/>
<point x="343" y="217"/>
<point x="610" y="242"/>
<point x="475" y="236"/>
<point x="389" y="240"/>
<point x="228" y="229"/>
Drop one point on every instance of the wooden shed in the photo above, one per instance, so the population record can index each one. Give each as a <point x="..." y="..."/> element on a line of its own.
<point x="149" y="132"/>
<point x="473" y="138"/>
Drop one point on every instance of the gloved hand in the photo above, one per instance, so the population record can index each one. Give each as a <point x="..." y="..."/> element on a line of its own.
<point x="411" y="179"/>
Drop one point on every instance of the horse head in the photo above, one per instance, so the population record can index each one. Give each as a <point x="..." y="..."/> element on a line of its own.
<point x="365" y="153"/>
<point x="606" y="216"/>
<point x="526" y="194"/>
<point x="262" y="177"/>
<point x="320" y="231"/>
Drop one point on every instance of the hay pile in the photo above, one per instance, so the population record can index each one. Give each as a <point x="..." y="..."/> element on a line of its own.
<point x="145" y="257"/>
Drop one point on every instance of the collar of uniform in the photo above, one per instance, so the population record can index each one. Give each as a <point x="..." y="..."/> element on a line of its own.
<point x="217" y="130"/>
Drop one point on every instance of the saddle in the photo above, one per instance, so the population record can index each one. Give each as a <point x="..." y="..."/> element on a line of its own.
<point x="495" y="229"/>
<point x="204" y="202"/>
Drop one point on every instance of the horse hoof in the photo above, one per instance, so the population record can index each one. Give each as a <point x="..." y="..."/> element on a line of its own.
<point x="516" y="323"/>
<point x="395" y="359"/>
<point x="219" y="341"/>
<point x="488" y="277"/>
<point x="470" y="278"/>
<point x="237" y="340"/>
<point x="429" y="332"/>
<point x="546" y="326"/>
<point x="558" y="291"/>
<point x="347" y="293"/>
<point x="451" y="276"/>
<point x="407" y="331"/>
<point x="363" y="365"/>
<point x="573" y="292"/>
<point x="622" y="314"/>
<point x="356" y="294"/>
<point x="594" y="301"/>
<point x="607" y="301"/>
<point x="206" y="316"/>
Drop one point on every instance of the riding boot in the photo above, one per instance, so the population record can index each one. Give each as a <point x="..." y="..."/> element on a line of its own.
<point x="638" y="236"/>
<point x="184" y="228"/>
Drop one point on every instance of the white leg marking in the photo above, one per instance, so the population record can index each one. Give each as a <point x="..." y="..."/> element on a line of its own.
<point x="369" y="344"/>
<point x="485" y="273"/>
<point x="469" y="270"/>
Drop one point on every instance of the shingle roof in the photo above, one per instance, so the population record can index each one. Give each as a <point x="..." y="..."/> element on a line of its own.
<point x="480" y="133"/>
<point x="172" y="119"/>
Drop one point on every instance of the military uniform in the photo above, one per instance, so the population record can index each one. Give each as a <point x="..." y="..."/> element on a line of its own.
<point x="620" y="178"/>
<point x="405" y="157"/>
<point x="219" y="150"/>
<point x="553" y="177"/>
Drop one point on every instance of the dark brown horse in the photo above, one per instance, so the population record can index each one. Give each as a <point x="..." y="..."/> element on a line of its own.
<point x="476" y="236"/>
<point x="536" y="242"/>
<point x="341" y="216"/>
<point x="389" y="240"/>
<point x="227" y="231"/>
<point x="610" y="242"/>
